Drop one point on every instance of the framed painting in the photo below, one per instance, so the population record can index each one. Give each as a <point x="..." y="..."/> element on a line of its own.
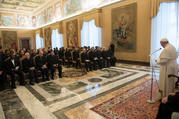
<point x="72" y="6"/>
<point x="47" y="33"/>
<point x="7" y="19"/>
<point x="72" y="33"/>
<point x="9" y="39"/>
<point x="124" y="27"/>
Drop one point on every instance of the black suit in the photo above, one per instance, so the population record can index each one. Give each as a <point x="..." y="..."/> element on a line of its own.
<point x="68" y="57"/>
<point x="100" y="59"/>
<point x="40" y="61"/>
<point x="84" y="59"/>
<point x="12" y="67"/>
<point x="76" y="58"/>
<point x="26" y="65"/>
<point x="61" y="56"/>
<point x="53" y="59"/>
<point x="2" y="76"/>
<point x="172" y="105"/>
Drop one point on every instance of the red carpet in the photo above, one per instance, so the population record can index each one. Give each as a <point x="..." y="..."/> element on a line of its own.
<point x="131" y="104"/>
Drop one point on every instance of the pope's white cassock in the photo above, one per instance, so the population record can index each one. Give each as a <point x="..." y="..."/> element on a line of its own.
<point x="168" y="65"/>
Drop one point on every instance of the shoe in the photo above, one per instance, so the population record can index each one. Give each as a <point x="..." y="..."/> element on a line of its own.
<point x="22" y="84"/>
<point x="13" y="87"/>
<point x="31" y="83"/>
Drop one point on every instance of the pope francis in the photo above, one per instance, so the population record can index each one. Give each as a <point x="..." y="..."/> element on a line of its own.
<point x="168" y="65"/>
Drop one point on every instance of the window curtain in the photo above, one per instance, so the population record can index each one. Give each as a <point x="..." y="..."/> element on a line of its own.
<point x="39" y="42"/>
<point x="90" y="34"/>
<point x="57" y="39"/>
<point x="165" y="25"/>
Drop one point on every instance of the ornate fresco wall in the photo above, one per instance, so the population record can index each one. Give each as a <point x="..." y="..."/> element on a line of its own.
<point x="72" y="6"/>
<point x="17" y="20"/>
<point x="51" y="13"/>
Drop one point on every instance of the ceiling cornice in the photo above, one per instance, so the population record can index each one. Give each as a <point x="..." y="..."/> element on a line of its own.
<point x="6" y="10"/>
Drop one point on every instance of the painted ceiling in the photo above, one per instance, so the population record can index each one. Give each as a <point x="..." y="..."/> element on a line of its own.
<point x="20" y="5"/>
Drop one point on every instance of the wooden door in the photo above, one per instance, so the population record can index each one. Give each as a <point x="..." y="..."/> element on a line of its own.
<point x="25" y="43"/>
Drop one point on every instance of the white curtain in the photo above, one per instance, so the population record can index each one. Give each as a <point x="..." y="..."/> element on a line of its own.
<point x="90" y="34"/>
<point x="165" y="25"/>
<point x="57" y="39"/>
<point x="39" y="42"/>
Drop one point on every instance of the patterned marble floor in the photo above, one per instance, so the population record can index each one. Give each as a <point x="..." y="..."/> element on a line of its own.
<point x="70" y="98"/>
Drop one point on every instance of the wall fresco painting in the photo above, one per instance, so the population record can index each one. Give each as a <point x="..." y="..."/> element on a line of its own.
<point x="24" y="20"/>
<point x="7" y="20"/>
<point x="9" y="39"/>
<point x="72" y="33"/>
<point x="72" y="6"/>
<point x="124" y="26"/>
<point x="41" y="19"/>
<point x="47" y="33"/>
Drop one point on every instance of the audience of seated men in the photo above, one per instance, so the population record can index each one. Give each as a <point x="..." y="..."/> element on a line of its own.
<point x="23" y="63"/>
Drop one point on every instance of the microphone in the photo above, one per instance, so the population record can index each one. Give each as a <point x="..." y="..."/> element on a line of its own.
<point x="156" y="51"/>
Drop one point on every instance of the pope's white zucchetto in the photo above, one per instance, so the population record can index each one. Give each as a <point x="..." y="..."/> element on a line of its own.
<point x="164" y="40"/>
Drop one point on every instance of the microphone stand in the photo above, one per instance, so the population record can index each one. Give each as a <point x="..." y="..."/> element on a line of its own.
<point x="151" y="91"/>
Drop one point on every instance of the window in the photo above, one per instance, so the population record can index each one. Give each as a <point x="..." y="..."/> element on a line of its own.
<point x="39" y="42"/>
<point x="57" y="39"/>
<point x="165" y="25"/>
<point x="90" y="34"/>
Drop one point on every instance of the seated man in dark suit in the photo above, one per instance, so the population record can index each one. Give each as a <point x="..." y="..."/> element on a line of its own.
<point x="84" y="59"/>
<point x="41" y="64"/>
<point x="2" y="74"/>
<point x="76" y="57"/>
<point x="53" y="63"/>
<point x="28" y="66"/>
<point x="12" y="66"/>
<point x="168" y="105"/>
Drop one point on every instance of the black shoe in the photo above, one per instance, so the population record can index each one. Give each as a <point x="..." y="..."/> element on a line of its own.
<point x="22" y="84"/>
<point x="31" y="83"/>
<point x="36" y="80"/>
<point x="13" y="87"/>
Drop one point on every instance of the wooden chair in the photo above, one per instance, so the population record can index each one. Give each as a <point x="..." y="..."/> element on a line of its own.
<point x="177" y="83"/>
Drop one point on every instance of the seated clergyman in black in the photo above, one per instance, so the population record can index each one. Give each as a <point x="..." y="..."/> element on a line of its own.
<point x="2" y="71"/>
<point x="76" y="57"/>
<point x="53" y="63"/>
<point x="61" y="55"/>
<point x="41" y="64"/>
<point x="84" y="59"/>
<point x="28" y="66"/>
<point x="168" y="105"/>
<point x="12" y="66"/>
<point x="68" y="57"/>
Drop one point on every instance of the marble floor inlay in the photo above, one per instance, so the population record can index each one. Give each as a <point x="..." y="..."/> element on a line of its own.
<point x="12" y="106"/>
<point x="1" y="112"/>
<point x="53" y="99"/>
